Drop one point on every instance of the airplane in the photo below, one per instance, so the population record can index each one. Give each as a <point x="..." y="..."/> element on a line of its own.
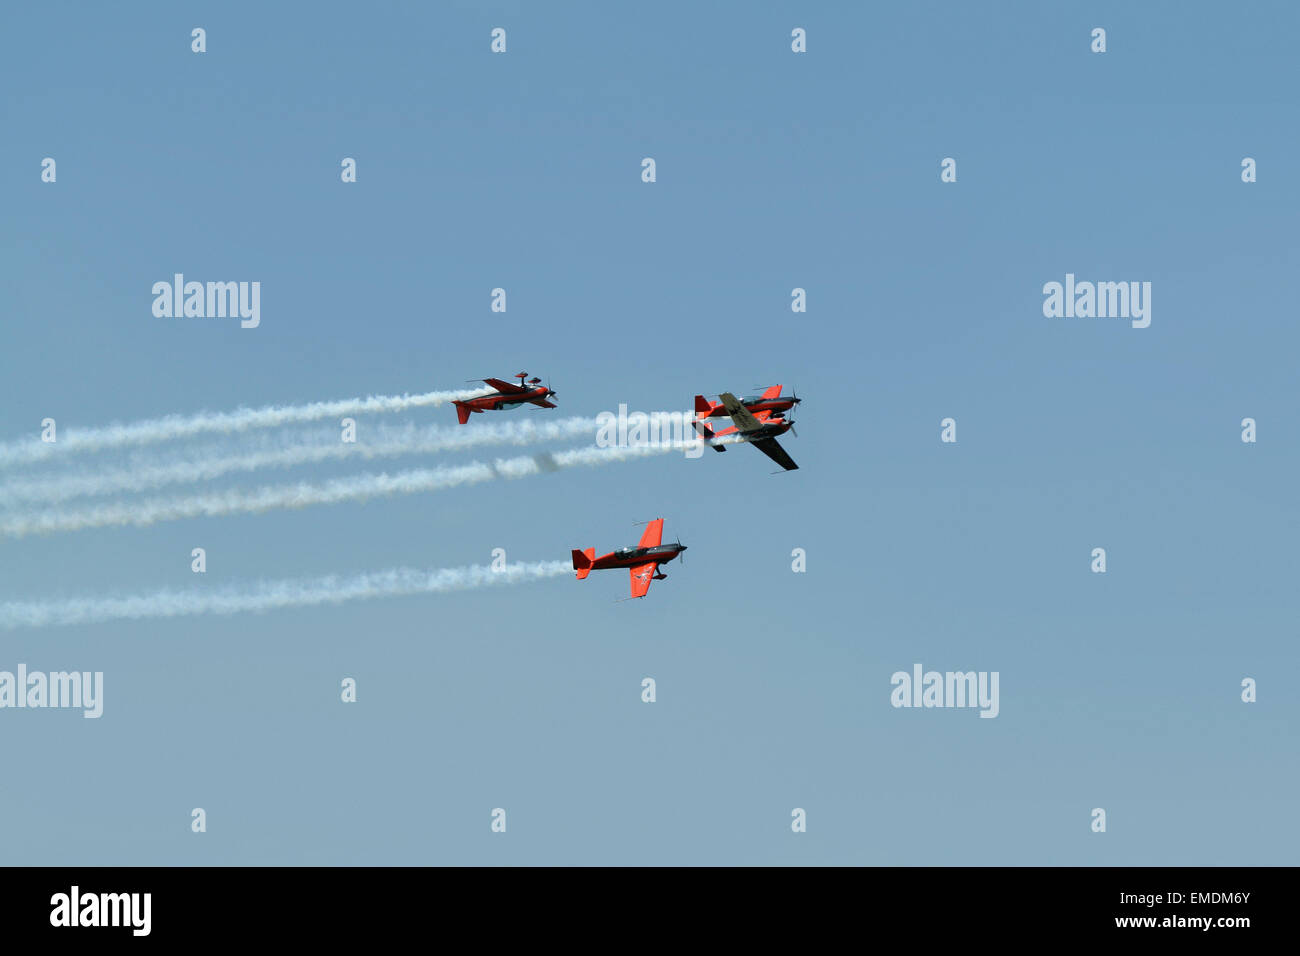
<point x="641" y="561"/>
<point x="507" y="395"/>
<point x="758" y="430"/>
<point x="770" y="401"/>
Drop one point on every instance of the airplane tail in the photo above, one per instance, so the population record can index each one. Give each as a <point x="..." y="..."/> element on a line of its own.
<point x="702" y="405"/>
<point x="462" y="412"/>
<point x="582" y="562"/>
<point x="707" y="434"/>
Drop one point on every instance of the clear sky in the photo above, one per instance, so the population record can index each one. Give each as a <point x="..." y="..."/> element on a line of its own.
<point x="775" y="170"/>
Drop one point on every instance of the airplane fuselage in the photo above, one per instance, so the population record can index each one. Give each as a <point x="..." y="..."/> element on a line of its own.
<point x="755" y="405"/>
<point x="631" y="557"/>
<point x="766" y="430"/>
<point x="499" y="400"/>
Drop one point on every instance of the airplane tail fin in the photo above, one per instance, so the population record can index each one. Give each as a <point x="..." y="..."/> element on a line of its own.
<point x="582" y="562"/>
<point x="707" y="434"/>
<point x="702" y="405"/>
<point x="462" y="412"/>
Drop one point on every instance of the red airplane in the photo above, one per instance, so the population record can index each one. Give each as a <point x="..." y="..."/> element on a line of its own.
<point x="770" y="401"/>
<point x="759" y="430"/>
<point x="642" y="561"/>
<point x="507" y="395"/>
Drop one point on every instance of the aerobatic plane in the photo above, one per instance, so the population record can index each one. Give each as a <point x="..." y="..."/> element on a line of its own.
<point x="770" y="401"/>
<point x="642" y="561"/>
<point x="759" y="430"/>
<point x="507" y="395"/>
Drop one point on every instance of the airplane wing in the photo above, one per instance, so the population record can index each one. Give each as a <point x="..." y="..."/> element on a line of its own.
<point x="543" y="403"/>
<point x="653" y="536"/>
<point x="772" y="449"/>
<point x="641" y="575"/>
<point x="741" y="415"/>
<point x="507" y="387"/>
<point x="773" y="392"/>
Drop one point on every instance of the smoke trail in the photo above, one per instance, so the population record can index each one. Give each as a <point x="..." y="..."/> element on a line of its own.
<point x="382" y="441"/>
<point x="304" y="494"/>
<point x="269" y="595"/>
<point x="182" y="426"/>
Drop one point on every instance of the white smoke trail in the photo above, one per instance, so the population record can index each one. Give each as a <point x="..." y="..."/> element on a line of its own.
<point x="381" y="441"/>
<point x="269" y="595"/>
<point x="304" y="494"/>
<point x="173" y="427"/>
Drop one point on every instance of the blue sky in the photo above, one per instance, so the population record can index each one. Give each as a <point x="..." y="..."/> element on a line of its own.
<point x="774" y="171"/>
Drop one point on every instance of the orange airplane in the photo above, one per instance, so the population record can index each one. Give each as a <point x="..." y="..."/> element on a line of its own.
<point x="642" y="562"/>
<point x="759" y="430"/>
<point x="770" y="401"/>
<point x="507" y="395"/>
